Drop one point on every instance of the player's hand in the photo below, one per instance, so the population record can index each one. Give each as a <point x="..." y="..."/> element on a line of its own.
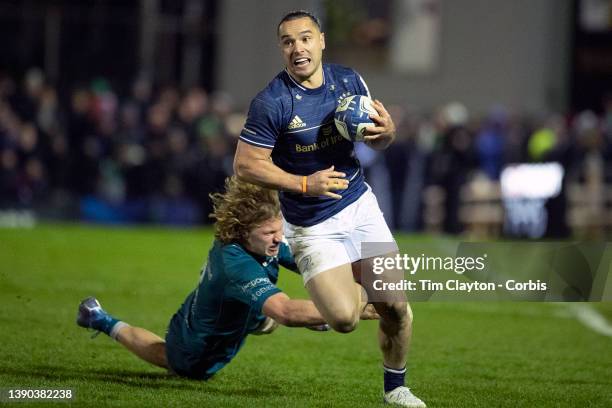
<point x="324" y="182"/>
<point x="381" y="135"/>
<point x="369" y="313"/>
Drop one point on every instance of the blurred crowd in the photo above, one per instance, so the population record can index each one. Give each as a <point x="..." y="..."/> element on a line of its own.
<point x="449" y="148"/>
<point x="100" y="155"/>
<point x="153" y="155"/>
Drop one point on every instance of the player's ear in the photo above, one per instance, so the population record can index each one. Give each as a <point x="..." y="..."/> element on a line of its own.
<point x="322" y="40"/>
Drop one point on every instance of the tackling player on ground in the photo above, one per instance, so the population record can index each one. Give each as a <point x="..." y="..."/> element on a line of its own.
<point x="290" y="143"/>
<point x="236" y="295"/>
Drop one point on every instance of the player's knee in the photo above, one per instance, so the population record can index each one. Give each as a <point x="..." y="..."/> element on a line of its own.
<point x="397" y="312"/>
<point x="344" y="321"/>
<point x="344" y="326"/>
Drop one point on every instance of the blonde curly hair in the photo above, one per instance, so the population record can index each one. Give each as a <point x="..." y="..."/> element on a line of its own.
<point x="242" y="208"/>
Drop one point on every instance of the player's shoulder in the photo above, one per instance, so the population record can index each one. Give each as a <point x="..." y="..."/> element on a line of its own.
<point x="276" y="92"/>
<point x="235" y="260"/>
<point x="231" y="251"/>
<point x="234" y="253"/>
<point x="346" y="77"/>
<point x="338" y="69"/>
<point x="340" y="72"/>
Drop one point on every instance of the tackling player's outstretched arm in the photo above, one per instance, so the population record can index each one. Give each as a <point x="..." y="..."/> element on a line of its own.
<point x="253" y="164"/>
<point x="292" y="312"/>
<point x="302" y="313"/>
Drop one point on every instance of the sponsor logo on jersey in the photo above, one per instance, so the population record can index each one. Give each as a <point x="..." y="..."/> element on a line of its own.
<point x="296" y="123"/>
<point x="263" y="290"/>
<point x="255" y="282"/>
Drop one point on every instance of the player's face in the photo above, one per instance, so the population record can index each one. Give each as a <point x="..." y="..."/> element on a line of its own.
<point x="266" y="238"/>
<point x="302" y="46"/>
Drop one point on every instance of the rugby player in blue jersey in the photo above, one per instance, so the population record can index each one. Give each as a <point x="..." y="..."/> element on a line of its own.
<point x="236" y="295"/>
<point x="290" y="143"/>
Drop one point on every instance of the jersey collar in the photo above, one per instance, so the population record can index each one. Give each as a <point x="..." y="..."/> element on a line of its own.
<point x="303" y="88"/>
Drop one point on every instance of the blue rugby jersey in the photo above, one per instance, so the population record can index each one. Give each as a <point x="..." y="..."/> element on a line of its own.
<point x="210" y="327"/>
<point x="297" y="123"/>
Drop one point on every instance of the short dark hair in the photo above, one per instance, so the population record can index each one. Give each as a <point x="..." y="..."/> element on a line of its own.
<point x="294" y="15"/>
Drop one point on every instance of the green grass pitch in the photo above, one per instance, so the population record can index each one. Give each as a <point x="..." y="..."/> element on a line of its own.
<point x="463" y="354"/>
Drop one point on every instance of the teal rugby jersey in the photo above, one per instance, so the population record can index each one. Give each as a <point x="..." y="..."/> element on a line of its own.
<point x="213" y="322"/>
<point x="297" y="123"/>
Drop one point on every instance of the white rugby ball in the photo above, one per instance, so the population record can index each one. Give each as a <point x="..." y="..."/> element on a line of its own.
<point x="353" y="116"/>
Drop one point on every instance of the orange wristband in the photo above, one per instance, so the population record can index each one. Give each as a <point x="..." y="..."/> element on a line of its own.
<point x="304" y="179"/>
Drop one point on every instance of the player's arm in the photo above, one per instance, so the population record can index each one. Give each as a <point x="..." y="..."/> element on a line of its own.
<point x="253" y="164"/>
<point x="302" y="313"/>
<point x="380" y="136"/>
<point x="292" y="312"/>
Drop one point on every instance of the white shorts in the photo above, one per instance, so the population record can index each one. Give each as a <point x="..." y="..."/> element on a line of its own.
<point x="337" y="240"/>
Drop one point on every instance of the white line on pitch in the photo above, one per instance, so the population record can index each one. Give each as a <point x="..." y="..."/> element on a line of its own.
<point x="591" y="318"/>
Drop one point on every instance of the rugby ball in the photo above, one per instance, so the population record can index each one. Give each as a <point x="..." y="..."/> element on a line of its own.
<point x="353" y="116"/>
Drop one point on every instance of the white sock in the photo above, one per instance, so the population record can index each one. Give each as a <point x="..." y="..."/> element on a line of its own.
<point x="115" y="330"/>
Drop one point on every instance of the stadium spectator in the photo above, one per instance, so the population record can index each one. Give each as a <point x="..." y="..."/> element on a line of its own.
<point x="490" y="143"/>
<point x="452" y="163"/>
<point x="407" y="163"/>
